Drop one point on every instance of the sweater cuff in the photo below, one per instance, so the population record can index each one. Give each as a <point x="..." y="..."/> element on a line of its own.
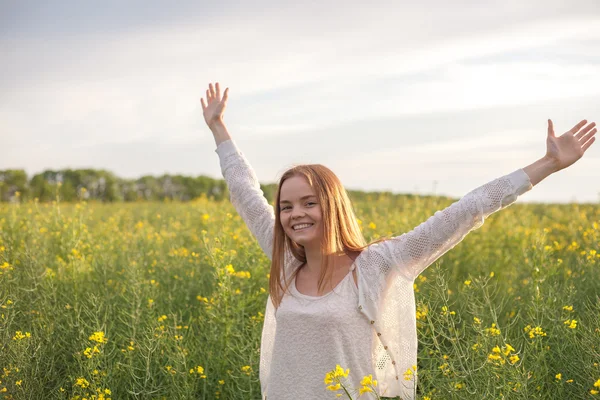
<point x="521" y="184"/>
<point x="520" y="181"/>
<point x="226" y="148"/>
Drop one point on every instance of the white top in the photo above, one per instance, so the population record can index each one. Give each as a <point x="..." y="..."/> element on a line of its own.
<point x="385" y="271"/>
<point x="325" y="330"/>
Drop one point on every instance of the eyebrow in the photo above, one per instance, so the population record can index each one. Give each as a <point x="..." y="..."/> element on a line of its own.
<point x="301" y="198"/>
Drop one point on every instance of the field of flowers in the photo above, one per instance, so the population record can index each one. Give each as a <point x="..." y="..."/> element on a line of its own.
<point x="166" y="301"/>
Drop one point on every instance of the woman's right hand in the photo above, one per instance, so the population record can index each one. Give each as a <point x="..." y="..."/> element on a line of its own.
<point x="214" y="107"/>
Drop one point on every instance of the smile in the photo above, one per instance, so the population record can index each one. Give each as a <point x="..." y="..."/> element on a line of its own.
<point x="300" y="227"/>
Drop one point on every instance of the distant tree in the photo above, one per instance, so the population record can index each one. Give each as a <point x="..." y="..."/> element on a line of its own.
<point x="11" y="182"/>
<point x="44" y="185"/>
<point x="104" y="186"/>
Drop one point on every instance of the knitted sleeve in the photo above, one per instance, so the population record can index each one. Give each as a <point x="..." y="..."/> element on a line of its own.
<point x="410" y="253"/>
<point x="246" y="196"/>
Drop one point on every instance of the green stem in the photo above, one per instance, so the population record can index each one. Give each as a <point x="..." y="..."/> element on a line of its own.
<point x="347" y="394"/>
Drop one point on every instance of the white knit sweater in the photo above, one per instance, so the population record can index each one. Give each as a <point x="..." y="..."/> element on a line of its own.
<point x="386" y="271"/>
<point x="314" y="333"/>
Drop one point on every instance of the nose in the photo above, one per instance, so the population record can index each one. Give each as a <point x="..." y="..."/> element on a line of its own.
<point x="297" y="213"/>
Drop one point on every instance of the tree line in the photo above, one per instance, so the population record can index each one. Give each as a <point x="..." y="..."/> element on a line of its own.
<point x="100" y="185"/>
<point x="71" y="185"/>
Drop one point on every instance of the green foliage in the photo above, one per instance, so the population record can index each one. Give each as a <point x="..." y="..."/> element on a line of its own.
<point x="179" y="292"/>
<point x="69" y="185"/>
<point x="11" y="182"/>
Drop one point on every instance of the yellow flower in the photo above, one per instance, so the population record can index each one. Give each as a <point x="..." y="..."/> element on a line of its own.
<point x="558" y="376"/>
<point x="446" y="312"/>
<point x="495" y="357"/>
<point x="247" y="369"/>
<point x="597" y="383"/>
<point x="170" y="369"/>
<point x="364" y="389"/>
<point x="82" y="382"/>
<point x="571" y="323"/>
<point x="514" y="358"/>
<point x="493" y="331"/>
<point x="89" y="352"/>
<point x="243" y="274"/>
<point x="339" y="371"/>
<point x="335" y="387"/>
<point x="508" y="349"/>
<point x="199" y="370"/>
<point x="19" y="335"/>
<point x="533" y="332"/>
<point x="98" y="337"/>
<point x="421" y="313"/>
<point x="368" y="380"/>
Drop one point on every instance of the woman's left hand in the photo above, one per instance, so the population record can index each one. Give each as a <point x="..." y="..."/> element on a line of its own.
<point x="569" y="147"/>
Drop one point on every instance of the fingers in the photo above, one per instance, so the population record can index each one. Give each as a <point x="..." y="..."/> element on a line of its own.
<point x="587" y="136"/>
<point x="212" y="94"/>
<point x="585" y="130"/>
<point x="588" y="144"/>
<point x="578" y="126"/>
<point x="550" y="128"/>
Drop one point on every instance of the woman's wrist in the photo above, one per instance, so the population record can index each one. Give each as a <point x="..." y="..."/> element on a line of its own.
<point x="220" y="132"/>
<point x="541" y="169"/>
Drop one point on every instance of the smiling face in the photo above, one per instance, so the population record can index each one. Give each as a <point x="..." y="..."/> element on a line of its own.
<point x="300" y="212"/>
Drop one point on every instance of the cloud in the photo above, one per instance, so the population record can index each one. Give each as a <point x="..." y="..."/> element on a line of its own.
<point x="295" y="71"/>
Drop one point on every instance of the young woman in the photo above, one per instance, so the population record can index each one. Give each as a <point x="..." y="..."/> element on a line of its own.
<point x="333" y="298"/>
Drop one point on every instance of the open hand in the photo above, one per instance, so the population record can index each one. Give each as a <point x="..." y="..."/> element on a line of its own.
<point x="569" y="147"/>
<point x="214" y="107"/>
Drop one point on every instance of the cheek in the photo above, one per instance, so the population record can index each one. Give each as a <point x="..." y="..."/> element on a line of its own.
<point x="284" y="221"/>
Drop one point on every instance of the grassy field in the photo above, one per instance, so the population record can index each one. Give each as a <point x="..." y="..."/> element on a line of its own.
<point x="166" y="301"/>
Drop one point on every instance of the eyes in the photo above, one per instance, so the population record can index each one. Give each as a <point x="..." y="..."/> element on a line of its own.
<point x="308" y="204"/>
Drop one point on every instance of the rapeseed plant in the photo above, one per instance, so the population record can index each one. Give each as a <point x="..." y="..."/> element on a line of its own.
<point x="131" y="268"/>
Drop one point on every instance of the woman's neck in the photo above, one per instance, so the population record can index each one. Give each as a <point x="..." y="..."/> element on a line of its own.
<point x="314" y="257"/>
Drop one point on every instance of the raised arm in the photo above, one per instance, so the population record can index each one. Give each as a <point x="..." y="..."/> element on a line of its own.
<point x="412" y="252"/>
<point x="244" y="188"/>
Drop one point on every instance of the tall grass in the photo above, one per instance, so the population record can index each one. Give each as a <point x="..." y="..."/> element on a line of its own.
<point x="178" y="291"/>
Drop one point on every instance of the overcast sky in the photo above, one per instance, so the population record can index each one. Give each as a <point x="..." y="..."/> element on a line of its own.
<point x="421" y="97"/>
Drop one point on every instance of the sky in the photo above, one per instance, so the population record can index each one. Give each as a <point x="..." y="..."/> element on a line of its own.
<point x="430" y="97"/>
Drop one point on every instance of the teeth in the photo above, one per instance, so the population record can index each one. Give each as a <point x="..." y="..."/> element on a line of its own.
<point x="296" y="227"/>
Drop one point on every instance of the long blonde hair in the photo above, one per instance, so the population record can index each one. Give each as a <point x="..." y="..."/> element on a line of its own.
<point x="341" y="232"/>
